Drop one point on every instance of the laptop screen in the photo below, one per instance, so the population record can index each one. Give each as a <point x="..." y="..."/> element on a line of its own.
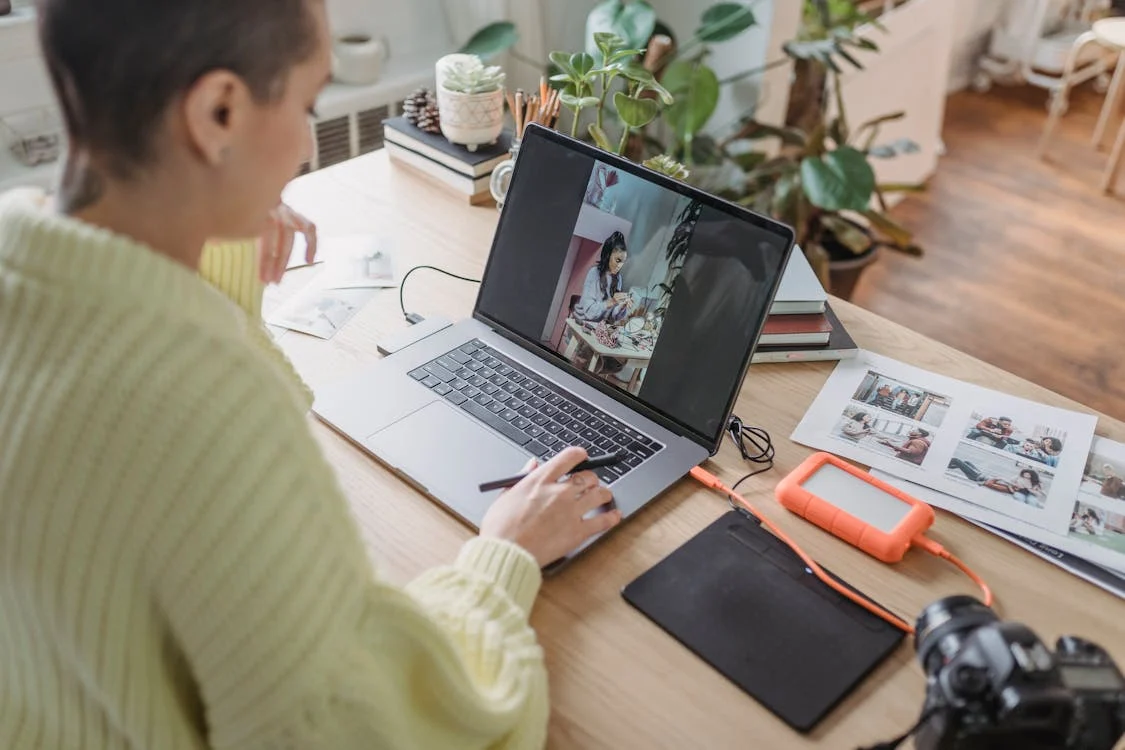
<point x="651" y="290"/>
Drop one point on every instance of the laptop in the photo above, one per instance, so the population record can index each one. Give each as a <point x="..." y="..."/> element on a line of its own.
<point x="558" y="352"/>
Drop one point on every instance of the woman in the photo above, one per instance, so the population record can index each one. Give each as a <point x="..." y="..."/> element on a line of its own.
<point x="178" y="567"/>
<point x="602" y="297"/>
<point x="1025" y="487"/>
<point x="859" y="426"/>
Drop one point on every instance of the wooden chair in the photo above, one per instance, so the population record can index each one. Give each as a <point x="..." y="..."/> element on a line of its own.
<point x="1108" y="33"/>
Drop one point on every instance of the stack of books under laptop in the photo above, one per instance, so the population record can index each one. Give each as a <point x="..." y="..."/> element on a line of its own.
<point x="463" y="171"/>
<point x="802" y="327"/>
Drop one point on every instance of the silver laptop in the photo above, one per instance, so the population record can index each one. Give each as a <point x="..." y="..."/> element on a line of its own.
<point x="619" y="311"/>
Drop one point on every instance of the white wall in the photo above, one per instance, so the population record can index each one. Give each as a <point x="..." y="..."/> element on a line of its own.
<point x="972" y="19"/>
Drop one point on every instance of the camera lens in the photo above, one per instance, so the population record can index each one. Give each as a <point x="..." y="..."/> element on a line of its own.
<point x="943" y="626"/>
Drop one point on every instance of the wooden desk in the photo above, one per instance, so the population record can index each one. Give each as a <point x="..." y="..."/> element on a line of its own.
<point x="616" y="680"/>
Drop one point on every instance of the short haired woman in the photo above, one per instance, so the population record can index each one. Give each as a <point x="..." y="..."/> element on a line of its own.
<point x="178" y="566"/>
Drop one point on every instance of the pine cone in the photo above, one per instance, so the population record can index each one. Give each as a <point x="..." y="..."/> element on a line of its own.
<point x="429" y="119"/>
<point x="413" y="105"/>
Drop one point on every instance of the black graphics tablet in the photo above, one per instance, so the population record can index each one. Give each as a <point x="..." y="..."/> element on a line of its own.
<point x="742" y="601"/>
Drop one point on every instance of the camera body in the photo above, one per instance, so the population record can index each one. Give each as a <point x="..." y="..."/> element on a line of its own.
<point x="993" y="684"/>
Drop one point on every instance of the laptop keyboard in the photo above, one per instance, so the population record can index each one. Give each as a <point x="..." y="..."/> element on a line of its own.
<point x="534" y="413"/>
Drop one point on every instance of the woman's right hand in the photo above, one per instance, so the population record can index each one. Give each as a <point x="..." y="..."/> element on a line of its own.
<point x="544" y="515"/>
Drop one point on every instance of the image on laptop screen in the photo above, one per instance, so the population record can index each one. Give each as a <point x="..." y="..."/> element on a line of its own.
<point x="629" y="245"/>
<point x="650" y="288"/>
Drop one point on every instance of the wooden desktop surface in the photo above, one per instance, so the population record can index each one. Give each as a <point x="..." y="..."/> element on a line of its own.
<point x="616" y="680"/>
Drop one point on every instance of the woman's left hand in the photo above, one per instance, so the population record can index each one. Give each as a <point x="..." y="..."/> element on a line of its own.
<point x="276" y="243"/>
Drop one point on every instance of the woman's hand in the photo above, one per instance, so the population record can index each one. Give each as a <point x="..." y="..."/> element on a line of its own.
<point x="276" y="243"/>
<point x="622" y="298"/>
<point x="544" y="515"/>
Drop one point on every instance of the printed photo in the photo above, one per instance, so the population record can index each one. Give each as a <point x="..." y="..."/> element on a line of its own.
<point x="626" y="253"/>
<point x="1042" y="444"/>
<point x="911" y="402"/>
<point x="884" y="434"/>
<point x="320" y="312"/>
<point x="1102" y="527"/>
<point x="1104" y="478"/>
<point x="999" y="476"/>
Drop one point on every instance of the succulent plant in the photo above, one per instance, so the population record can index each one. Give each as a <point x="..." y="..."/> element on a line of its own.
<point x="665" y="164"/>
<point x="468" y="75"/>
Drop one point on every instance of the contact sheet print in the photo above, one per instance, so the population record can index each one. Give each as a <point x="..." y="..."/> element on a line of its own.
<point x="1015" y="457"/>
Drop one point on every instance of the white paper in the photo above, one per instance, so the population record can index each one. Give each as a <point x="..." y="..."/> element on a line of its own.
<point x="320" y="309"/>
<point x="1104" y="578"/>
<point x="357" y="262"/>
<point x="980" y="445"/>
<point x="1095" y="531"/>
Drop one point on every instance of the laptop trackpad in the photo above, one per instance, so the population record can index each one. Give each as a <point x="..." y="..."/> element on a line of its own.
<point x="448" y="454"/>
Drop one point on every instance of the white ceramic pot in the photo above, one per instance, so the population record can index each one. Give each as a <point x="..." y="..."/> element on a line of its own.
<point x="357" y="59"/>
<point x="471" y="119"/>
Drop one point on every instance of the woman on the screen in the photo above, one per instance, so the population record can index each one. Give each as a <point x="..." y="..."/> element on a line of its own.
<point x="602" y="296"/>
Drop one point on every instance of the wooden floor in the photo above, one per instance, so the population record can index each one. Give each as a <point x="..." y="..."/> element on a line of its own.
<point x="1025" y="263"/>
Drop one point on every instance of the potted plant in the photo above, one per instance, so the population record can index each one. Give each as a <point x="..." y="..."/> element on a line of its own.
<point x="470" y="98"/>
<point x="821" y="181"/>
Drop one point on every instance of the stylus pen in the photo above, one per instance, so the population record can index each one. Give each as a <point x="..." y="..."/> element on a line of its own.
<point x="596" y="462"/>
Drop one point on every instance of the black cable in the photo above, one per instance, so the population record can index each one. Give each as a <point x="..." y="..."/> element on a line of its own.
<point x="893" y="744"/>
<point x="412" y="317"/>
<point x="757" y="437"/>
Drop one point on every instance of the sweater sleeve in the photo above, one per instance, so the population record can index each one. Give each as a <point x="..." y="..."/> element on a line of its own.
<point x="592" y="305"/>
<point x="232" y="268"/>
<point x="292" y="642"/>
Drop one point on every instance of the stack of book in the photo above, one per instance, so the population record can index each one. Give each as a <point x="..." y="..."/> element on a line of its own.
<point x="454" y="166"/>
<point x="802" y="327"/>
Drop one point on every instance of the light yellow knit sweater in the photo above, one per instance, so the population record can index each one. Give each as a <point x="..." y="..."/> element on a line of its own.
<point x="178" y="567"/>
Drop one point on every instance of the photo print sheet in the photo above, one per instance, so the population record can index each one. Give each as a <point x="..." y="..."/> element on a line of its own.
<point x="1095" y="531"/>
<point x="1012" y="456"/>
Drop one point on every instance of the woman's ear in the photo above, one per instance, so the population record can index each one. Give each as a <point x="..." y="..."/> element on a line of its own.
<point x="212" y="110"/>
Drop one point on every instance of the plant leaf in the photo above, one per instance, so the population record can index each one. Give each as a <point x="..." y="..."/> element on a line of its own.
<point x="582" y="63"/>
<point x="891" y="117"/>
<point x="634" y="112"/>
<point x="623" y="54"/>
<point x="576" y="101"/>
<point x="695" y="90"/>
<point x="846" y="233"/>
<point x="749" y="160"/>
<point x="840" y="180"/>
<point x="599" y="137"/>
<point x="606" y="41"/>
<point x="634" y="71"/>
<point x="836" y="131"/>
<point x="559" y="78"/>
<point x="492" y="39"/>
<point x="724" y="21"/>
<point x="562" y="59"/>
<point x="903" y="187"/>
<point x="900" y="236"/>
<point x="888" y="150"/>
<point x="633" y="22"/>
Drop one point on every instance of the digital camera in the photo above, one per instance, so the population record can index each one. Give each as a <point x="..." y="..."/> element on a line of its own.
<point x="993" y="684"/>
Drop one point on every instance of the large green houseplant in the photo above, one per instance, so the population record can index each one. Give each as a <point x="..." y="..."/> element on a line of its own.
<point x="821" y="180"/>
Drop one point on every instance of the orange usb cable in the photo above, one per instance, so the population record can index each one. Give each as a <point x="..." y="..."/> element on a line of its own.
<point x="710" y="480"/>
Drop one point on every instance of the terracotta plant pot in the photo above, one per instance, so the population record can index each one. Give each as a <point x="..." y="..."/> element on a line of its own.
<point x="843" y="274"/>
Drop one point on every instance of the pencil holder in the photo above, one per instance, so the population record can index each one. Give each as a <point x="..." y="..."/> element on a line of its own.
<point x="502" y="174"/>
